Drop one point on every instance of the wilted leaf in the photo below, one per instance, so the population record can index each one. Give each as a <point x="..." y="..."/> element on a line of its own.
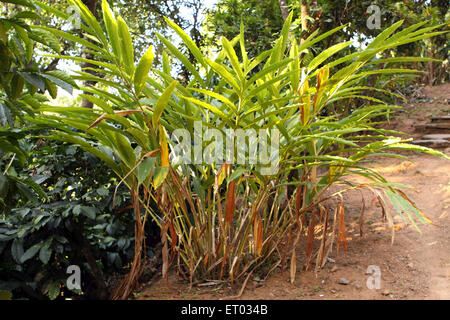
<point x="342" y="238"/>
<point x="310" y="237"/>
<point x="159" y="175"/>
<point x="230" y="202"/>
<point x="165" y="249"/>
<point x="164" y="147"/>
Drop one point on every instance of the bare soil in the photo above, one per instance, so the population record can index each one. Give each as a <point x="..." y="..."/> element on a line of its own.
<point x="415" y="266"/>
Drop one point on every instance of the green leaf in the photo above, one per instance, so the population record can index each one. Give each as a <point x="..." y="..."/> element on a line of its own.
<point x="45" y="37"/>
<point x="286" y="29"/>
<point x="4" y="185"/>
<point x="59" y="83"/>
<point x="61" y="75"/>
<point x="17" y="249"/>
<point x="51" y="88"/>
<point x="260" y="58"/>
<point x="209" y="107"/>
<point x="126" y="46"/>
<point x="124" y="149"/>
<point x="5" y="116"/>
<point x="413" y="147"/>
<point x="144" y="168"/>
<point x="142" y="70"/>
<point x="36" y="187"/>
<point x="162" y="103"/>
<point x="62" y="136"/>
<point x="102" y="191"/>
<point x="242" y="44"/>
<point x="45" y="252"/>
<point x="326" y="54"/>
<point x="219" y="97"/>
<point x="3" y="35"/>
<point x="184" y="60"/>
<point x="227" y="76"/>
<point x="98" y="102"/>
<point x="91" y="21"/>
<point x="25" y="3"/>
<point x="384" y="34"/>
<point x="89" y="212"/>
<point x="77" y="209"/>
<point x="31" y="252"/>
<point x="56" y="12"/>
<point x="233" y="58"/>
<point x="71" y="37"/>
<point x="33" y="79"/>
<point x="237" y="174"/>
<point x="17" y="86"/>
<point x="112" y="29"/>
<point x="188" y="42"/>
<point x="27" y="15"/>
<point x="53" y="290"/>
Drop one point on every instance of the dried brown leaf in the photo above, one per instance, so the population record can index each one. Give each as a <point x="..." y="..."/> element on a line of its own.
<point x="230" y="203"/>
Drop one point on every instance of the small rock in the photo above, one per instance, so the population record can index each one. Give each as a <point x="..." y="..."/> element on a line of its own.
<point x="331" y="260"/>
<point x="334" y="269"/>
<point x="385" y="292"/>
<point x="358" y="286"/>
<point x="410" y="266"/>
<point x="343" y="281"/>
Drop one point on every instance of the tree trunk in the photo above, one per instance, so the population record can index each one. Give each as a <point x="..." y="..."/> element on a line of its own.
<point x="83" y="246"/>
<point x="284" y="9"/>
<point x="304" y="15"/>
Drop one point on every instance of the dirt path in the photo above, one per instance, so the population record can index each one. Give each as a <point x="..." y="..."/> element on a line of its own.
<point x="415" y="266"/>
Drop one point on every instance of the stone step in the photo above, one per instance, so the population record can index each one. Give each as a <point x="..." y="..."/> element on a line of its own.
<point x="437" y="136"/>
<point x="437" y="143"/>
<point x="439" y="127"/>
<point x="443" y="119"/>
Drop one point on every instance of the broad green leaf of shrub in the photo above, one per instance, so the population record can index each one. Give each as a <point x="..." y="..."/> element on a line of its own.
<point x="142" y="70"/>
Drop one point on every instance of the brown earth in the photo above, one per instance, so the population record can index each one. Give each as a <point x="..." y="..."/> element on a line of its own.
<point x="415" y="266"/>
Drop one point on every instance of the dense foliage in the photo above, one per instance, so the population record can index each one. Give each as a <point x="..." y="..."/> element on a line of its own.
<point x="76" y="225"/>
